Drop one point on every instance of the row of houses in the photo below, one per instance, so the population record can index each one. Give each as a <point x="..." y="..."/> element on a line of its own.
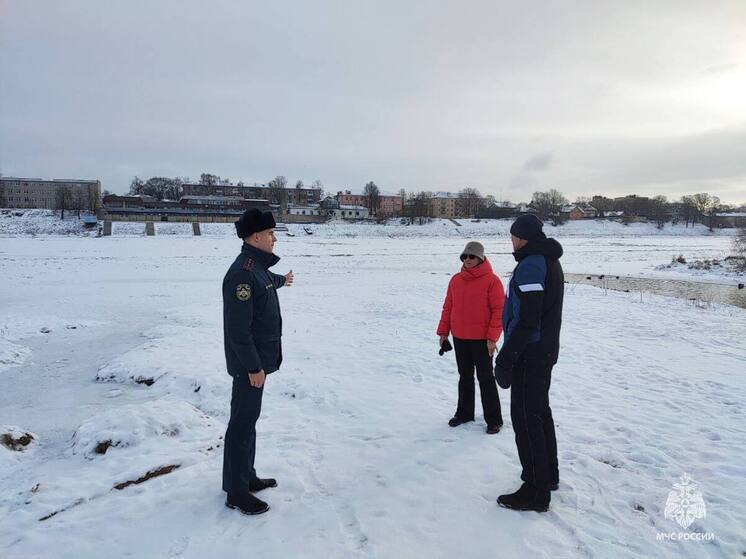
<point x="225" y="201"/>
<point x="226" y="198"/>
<point x="354" y="207"/>
<point x="299" y="204"/>
<point x="214" y="207"/>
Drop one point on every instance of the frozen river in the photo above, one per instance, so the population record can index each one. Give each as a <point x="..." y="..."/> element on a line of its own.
<point x="354" y="425"/>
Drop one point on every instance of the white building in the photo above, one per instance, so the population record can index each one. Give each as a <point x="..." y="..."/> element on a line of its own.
<point x="313" y="210"/>
<point x="349" y="212"/>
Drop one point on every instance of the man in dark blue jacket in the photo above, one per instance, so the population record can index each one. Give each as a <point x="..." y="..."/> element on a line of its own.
<point x="252" y="328"/>
<point x="532" y="317"/>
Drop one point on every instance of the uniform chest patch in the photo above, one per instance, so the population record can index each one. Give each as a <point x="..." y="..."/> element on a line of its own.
<point x="243" y="292"/>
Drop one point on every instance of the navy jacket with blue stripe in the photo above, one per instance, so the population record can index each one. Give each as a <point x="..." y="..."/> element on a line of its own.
<point x="532" y="314"/>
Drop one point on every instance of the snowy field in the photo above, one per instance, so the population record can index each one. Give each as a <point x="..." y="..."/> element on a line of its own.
<point x="119" y="340"/>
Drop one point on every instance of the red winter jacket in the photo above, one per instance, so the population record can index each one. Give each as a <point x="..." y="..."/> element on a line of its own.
<point x="474" y="305"/>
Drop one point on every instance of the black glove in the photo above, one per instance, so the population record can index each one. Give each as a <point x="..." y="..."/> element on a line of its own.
<point x="445" y="347"/>
<point x="503" y="376"/>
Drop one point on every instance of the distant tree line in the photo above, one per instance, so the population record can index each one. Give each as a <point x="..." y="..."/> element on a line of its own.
<point x="160" y="188"/>
<point x="700" y="207"/>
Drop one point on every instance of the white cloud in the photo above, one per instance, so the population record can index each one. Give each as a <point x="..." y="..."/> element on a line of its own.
<point x="411" y="95"/>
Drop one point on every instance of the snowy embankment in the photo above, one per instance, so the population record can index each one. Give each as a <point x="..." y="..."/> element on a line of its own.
<point x="605" y="247"/>
<point x="129" y="406"/>
<point x="486" y="228"/>
<point x="19" y="223"/>
<point x="16" y="223"/>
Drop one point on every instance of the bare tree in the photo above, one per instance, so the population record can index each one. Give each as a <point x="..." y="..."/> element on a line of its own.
<point x="702" y="202"/>
<point x="548" y="204"/>
<point x="136" y="186"/>
<point x="278" y="193"/>
<point x="634" y="205"/>
<point x="62" y="200"/>
<point x="712" y="211"/>
<point x="602" y="204"/>
<point x="421" y="206"/>
<point x="160" y="188"/>
<point x="706" y="205"/>
<point x="93" y="200"/>
<point x="372" y="197"/>
<point x="77" y="201"/>
<point x="469" y="202"/>
<point x="209" y="179"/>
<point x="688" y="210"/>
<point x="660" y="210"/>
<point x="318" y="185"/>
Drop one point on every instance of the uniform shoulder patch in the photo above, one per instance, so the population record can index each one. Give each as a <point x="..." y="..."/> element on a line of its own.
<point x="248" y="264"/>
<point x="243" y="292"/>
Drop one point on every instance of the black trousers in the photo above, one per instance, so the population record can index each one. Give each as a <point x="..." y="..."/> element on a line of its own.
<point x="240" y="437"/>
<point x="533" y="423"/>
<point x="470" y="355"/>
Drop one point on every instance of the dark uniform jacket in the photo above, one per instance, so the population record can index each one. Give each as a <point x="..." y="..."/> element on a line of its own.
<point x="532" y="315"/>
<point x="252" y="325"/>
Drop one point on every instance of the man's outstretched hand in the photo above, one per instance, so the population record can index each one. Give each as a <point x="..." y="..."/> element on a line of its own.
<point x="289" y="278"/>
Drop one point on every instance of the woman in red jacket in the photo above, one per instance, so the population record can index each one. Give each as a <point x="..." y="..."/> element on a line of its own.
<point x="473" y="313"/>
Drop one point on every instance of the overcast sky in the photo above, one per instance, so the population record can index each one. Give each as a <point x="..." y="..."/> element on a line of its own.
<point x="595" y="97"/>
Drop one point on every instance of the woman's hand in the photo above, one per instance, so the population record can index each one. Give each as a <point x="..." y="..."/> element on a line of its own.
<point x="442" y="339"/>
<point x="491" y="346"/>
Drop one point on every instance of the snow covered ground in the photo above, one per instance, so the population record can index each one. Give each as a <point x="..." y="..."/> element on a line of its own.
<point x="118" y="340"/>
<point x="593" y="246"/>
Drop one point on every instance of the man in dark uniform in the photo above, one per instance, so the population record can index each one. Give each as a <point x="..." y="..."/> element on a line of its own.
<point x="532" y="316"/>
<point x="252" y="328"/>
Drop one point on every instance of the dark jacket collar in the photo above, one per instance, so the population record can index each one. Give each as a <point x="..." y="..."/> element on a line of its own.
<point x="266" y="259"/>
<point x="545" y="247"/>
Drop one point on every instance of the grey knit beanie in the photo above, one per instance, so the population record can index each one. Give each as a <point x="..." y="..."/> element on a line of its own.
<point x="475" y="248"/>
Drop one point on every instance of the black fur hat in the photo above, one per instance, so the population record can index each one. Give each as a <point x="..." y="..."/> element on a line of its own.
<point x="253" y="221"/>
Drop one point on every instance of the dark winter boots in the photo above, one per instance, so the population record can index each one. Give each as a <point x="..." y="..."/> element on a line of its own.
<point x="527" y="497"/>
<point x="494" y="428"/>
<point x="246" y="503"/>
<point x="455" y="421"/>
<point x="259" y="484"/>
